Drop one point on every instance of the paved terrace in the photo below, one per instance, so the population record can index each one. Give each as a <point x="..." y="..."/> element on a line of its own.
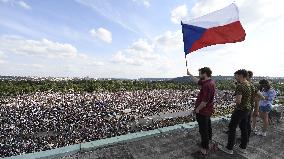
<point x="183" y="144"/>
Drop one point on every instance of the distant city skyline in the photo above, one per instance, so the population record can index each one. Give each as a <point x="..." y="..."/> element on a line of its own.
<point x="176" y="79"/>
<point x="131" y="38"/>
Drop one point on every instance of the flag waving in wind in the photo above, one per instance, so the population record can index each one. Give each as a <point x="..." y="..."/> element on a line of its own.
<point x="219" y="27"/>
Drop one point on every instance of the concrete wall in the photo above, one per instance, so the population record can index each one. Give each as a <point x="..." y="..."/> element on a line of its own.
<point x="72" y="149"/>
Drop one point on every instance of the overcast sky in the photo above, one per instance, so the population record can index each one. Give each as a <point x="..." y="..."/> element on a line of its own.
<point x="132" y="38"/>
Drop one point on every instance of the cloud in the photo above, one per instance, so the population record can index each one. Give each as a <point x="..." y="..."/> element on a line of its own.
<point x="19" y="3"/>
<point x="141" y="65"/>
<point x="142" y="45"/>
<point x="147" y="57"/>
<point x="106" y="9"/>
<point x="45" y="58"/>
<point x="260" y="52"/>
<point x="83" y="56"/>
<point x="95" y="63"/>
<point x="178" y="14"/>
<point x="102" y="34"/>
<point x="141" y="52"/>
<point x="2" y="58"/>
<point x="161" y="55"/>
<point x="169" y="41"/>
<point x="38" y="66"/>
<point x="24" y="5"/>
<point x="32" y="66"/>
<point x="2" y="61"/>
<point x="121" y="58"/>
<point x="203" y="7"/>
<point x="146" y="3"/>
<point x="254" y="55"/>
<point x="253" y="13"/>
<point x="90" y="61"/>
<point x="42" y="48"/>
<point x="127" y="18"/>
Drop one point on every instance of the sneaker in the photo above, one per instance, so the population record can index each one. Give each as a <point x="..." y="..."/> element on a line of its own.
<point x="261" y="133"/>
<point x="224" y="149"/>
<point x="243" y="151"/>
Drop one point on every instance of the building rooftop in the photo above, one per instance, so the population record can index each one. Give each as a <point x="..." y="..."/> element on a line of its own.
<point x="184" y="144"/>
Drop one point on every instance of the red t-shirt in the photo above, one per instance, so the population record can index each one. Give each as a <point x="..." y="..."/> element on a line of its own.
<point x="206" y="94"/>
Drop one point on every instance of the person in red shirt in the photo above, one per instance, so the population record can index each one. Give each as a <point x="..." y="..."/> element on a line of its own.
<point x="204" y="106"/>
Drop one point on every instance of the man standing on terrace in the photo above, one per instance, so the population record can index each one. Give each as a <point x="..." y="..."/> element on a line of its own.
<point x="244" y="94"/>
<point x="204" y="106"/>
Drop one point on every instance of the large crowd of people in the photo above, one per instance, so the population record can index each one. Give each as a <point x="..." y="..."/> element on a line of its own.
<point x="47" y="120"/>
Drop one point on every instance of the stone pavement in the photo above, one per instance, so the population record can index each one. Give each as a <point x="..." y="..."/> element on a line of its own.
<point x="183" y="144"/>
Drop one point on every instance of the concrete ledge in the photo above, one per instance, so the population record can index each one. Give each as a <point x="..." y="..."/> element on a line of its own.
<point x="169" y="128"/>
<point x="189" y="125"/>
<point x="119" y="139"/>
<point x="62" y="151"/>
<point x="72" y="149"/>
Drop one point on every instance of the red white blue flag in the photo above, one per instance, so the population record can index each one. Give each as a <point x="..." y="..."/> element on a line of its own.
<point x="219" y="27"/>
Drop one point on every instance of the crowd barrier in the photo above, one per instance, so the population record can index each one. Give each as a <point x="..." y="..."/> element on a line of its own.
<point x="72" y="149"/>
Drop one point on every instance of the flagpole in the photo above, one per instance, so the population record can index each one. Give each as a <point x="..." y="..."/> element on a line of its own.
<point x="186" y="63"/>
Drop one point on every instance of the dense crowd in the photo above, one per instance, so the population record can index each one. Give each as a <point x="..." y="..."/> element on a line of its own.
<point x="224" y="101"/>
<point x="47" y="120"/>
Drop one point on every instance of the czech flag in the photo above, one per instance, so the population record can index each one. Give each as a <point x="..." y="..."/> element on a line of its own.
<point x="219" y="27"/>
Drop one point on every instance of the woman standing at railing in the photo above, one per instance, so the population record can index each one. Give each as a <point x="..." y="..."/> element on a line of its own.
<point x="265" y="105"/>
